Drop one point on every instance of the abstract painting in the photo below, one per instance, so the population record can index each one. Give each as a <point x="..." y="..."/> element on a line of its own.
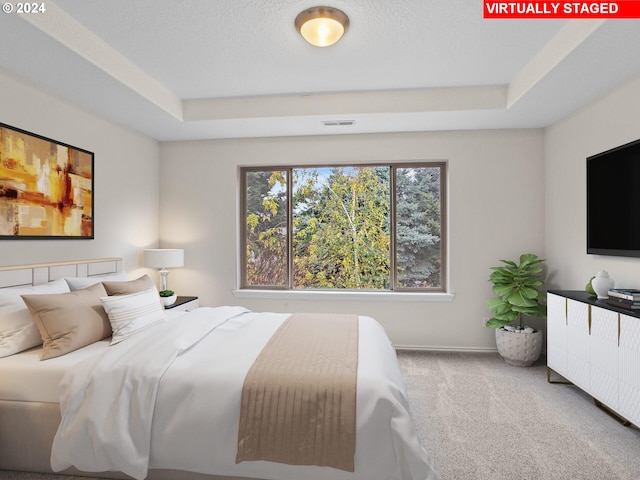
<point x="46" y="188"/>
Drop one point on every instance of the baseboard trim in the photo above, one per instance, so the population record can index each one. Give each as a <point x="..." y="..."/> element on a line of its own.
<point x="423" y="348"/>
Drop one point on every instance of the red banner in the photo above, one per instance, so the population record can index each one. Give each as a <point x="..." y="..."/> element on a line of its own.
<point x="562" y="9"/>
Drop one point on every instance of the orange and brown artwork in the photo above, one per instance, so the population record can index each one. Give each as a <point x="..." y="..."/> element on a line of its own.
<point x="46" y="187"/>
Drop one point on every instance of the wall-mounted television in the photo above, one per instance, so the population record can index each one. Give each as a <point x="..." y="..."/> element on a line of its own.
<point x="613" y="201"/>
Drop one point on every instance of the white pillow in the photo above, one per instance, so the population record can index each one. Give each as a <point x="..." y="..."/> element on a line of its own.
<point x="129" y="314"/>
<point x="18" y="331"/>
<point x="79" y="283"/>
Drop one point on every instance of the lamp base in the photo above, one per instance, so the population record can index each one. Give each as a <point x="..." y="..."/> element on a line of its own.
<point x="164" y="284"/>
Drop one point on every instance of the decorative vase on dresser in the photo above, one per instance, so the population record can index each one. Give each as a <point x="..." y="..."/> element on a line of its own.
<point x="602" y="283"/>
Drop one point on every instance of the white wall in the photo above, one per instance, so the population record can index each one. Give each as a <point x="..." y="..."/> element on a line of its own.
<point x="496" y="210"/>
<point x="510" y="191"/>
<point x="609" y="122"/>
<point x="126" y="178"/>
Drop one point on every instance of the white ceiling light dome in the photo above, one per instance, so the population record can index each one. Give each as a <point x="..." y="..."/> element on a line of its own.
<point x="322" y="26"/>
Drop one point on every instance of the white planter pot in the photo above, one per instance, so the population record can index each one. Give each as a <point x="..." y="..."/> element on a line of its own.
<point x="519" y="349"/>
<point x="166" y="301"/>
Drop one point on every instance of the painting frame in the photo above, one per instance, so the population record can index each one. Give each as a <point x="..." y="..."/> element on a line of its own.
<point x="46" y="188"/>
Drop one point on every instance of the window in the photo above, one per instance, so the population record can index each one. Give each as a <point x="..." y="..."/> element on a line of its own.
<point x="361" y="227"/>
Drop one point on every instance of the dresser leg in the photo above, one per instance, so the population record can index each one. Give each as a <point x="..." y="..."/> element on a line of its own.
<point x="556" y="381"/>
<point x="621" y="420"/>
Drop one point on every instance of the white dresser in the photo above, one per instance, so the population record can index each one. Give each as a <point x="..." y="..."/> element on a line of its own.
<point x="596" y="347"/>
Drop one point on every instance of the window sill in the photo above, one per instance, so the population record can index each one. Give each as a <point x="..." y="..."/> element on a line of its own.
<point x="356" y="296"/>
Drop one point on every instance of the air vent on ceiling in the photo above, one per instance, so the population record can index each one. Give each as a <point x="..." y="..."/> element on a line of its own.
<point x="338" y="123"/>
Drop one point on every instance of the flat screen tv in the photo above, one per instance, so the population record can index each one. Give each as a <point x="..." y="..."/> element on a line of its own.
<point x="613" y="201"/>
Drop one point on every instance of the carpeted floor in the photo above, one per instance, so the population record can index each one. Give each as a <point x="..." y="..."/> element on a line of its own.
<point x="481" y="419"/>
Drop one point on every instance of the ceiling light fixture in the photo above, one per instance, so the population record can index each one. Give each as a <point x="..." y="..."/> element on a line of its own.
<point x="322" y="26"/>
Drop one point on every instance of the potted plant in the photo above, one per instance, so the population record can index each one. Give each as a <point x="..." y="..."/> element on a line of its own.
<point x="168" y="297"/>
<point x="519" y="294"/>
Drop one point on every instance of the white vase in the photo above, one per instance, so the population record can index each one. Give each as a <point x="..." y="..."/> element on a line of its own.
<point x="602" y="284"/>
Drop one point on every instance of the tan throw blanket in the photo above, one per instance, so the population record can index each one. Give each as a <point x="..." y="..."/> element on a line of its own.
<point x="299" y="396"/>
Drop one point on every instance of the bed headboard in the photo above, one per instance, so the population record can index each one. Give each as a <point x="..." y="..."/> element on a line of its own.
<point x="39" y="273"/>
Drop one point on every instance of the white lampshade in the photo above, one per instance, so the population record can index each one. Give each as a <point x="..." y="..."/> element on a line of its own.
<point x="164" y="257"/>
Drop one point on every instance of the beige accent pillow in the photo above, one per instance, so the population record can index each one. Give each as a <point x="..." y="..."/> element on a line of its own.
<point x="69" y="321"/>
<point x="127" y="288"/>
<point x="129" y="314"/>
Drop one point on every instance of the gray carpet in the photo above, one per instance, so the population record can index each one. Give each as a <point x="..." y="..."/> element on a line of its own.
<point x="481" y="419"/>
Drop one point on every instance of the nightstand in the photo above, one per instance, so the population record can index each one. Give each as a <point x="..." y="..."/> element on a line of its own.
<point x="184" y="304"/>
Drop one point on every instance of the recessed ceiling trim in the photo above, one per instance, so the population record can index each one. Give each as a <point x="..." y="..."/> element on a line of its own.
<point x="570" y="37"/>
<point x="352" y="103"/>
<point x="63" y="28"/>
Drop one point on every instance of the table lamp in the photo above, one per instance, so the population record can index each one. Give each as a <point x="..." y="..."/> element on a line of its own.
<point x="164" y="258"/>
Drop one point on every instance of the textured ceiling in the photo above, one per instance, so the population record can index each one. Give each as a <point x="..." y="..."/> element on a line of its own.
<point x="188" y="69"/>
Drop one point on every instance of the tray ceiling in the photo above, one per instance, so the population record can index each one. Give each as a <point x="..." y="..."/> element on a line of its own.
<point x="193" y="69"/>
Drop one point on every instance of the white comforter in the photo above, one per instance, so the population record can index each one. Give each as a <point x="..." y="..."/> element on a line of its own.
<point x="169" y="398"/>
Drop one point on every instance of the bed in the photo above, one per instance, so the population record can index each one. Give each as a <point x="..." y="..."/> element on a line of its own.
<point x="172" y="399"/>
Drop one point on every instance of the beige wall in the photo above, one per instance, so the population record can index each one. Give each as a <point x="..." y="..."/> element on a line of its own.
<point x="496" y="210"/>
<point x="126" y="178"/>
<point x="611" y="121"/>
<point x="510" y="191"/>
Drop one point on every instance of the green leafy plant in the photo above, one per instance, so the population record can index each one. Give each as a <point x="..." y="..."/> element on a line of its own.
<point x="166" y="293"/>
<point x="517" y="287"/>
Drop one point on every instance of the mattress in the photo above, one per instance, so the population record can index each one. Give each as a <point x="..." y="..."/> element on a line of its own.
<point x="26" y="378"/>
